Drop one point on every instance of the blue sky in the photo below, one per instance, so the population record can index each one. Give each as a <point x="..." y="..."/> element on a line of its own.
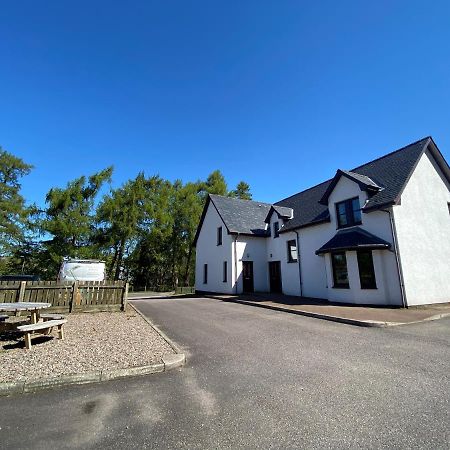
<point x="279" y="94"/>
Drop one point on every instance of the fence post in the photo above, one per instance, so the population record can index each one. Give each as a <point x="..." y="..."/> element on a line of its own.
<point x="124" y="297"/>
<point x="22" y="287"/>
<point x="74" y="296"/>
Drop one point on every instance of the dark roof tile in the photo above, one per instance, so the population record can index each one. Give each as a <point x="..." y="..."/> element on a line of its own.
<point x="353" y="239"/>
<point x="242" y="216"/>
<point x="385" y="177"/>
<point x="391" y="172"/>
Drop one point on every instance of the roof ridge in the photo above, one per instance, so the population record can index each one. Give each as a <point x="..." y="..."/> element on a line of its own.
<point x="358" y="167"/>
<point x="240" y="199"/>
<point x="391" y="153"/>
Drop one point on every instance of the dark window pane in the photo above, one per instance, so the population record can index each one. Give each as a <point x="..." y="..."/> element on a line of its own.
<point x="225" y="271"/>
<point x="366" y="270"/>
<point x="356" y="210"/>
<point x="205" y="273"/>
<point x="340" y="274"/>
<point x="219" y="236"/>
<point x="342" y="214"/>
<point x="348" y="213"/>
<point x="276" y="228"/>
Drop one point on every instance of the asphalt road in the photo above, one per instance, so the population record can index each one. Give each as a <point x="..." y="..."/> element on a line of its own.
<point x="255" y="378"/>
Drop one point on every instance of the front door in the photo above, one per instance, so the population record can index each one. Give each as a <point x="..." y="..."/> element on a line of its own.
<point x="275" y="276"/>
<point x="247" y="276"/>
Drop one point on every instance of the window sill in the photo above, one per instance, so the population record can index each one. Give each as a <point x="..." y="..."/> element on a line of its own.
<point x="369" y="288"/>
<point x="341" y="287"/>
<point x="293" y="261"/>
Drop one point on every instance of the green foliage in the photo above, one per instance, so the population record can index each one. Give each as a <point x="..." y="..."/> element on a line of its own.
<point x="144" y="229"/>
<point x="13" y="212"/>
<point x="216" y="184"/>
<point x="242" y="191"/>
<point x="69" y="218"/>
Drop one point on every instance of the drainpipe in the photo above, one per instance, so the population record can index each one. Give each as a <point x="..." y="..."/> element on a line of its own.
<point x="397" y="257"/>
<point x="235" y="265"/>
<point x="299" y="264"/>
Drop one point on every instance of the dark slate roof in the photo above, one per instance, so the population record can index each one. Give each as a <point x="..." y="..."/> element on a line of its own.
<point x="385" y="177"/>
<point x="353" y="239"/>
<point x="364" y="182"/>
<point x="391" y="172"/>
<point x="242" y="216"/>
<point x="285" y="213"/>
<point x="363" y="179"/>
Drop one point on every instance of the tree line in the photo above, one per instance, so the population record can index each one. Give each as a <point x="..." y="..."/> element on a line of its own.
<point x="143" y="229"/>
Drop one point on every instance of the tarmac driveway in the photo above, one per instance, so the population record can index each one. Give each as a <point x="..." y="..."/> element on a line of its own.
<point x="255" y="378"/>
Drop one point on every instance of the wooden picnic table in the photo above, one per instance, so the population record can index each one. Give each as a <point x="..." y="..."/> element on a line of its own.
<point x="33" y="307"/>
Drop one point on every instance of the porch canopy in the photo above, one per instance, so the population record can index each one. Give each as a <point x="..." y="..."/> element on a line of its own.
<point x="353" y="239"/>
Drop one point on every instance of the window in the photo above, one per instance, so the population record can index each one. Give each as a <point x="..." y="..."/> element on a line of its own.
<point x="448" y="205"/>
<point x="225" y="271"/>
<point x="205" y="273"/>
<point x="366" y="270"/>
<point x="276" y="229"/>
<point x="219" y="236"/>
<point x="292" y="251"/>
<point x="340" y="274"/>
<point x="348" y="213"/>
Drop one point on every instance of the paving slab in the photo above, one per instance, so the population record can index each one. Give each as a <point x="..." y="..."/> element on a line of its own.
<point x="369" y="316"/>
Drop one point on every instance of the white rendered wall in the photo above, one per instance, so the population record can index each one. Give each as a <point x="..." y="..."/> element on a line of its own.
<point x="208" y="252"/>
<point x="314" y="280"/>
<point x="250" y="248"/>
<point x="277" y="251"/>
<point x="423" y="230"/>
<point x="316" y="270"/>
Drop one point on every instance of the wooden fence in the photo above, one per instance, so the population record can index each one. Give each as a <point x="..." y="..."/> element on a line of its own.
<point x="67" y="297"/>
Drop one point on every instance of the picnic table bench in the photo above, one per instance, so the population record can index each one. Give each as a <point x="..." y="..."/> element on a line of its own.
<point x="33" y="307"/>
<point x="47" y="317"/>
<point x="45" y="326"/>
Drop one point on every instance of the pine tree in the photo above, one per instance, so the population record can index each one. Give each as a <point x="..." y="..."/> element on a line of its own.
<point x="13" y="212"/>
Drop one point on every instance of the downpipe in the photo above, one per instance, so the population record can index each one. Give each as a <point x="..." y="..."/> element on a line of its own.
<point x="235" y="265"/>
<point x="397" y="257"/>
<point x="299" y="263"/>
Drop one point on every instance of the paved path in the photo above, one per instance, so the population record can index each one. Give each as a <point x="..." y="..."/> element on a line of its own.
<point x="256" y="378"/>
<point x="356" y="314"/>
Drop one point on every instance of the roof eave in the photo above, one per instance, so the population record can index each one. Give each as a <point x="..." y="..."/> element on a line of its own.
<point x="305" y="225"/>
<point x="368" y="209"/>
<point x="340" y="173"/>
<point x="353" y="247"/>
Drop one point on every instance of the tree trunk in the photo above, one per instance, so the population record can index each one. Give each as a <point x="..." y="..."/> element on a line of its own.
<point x="113" y="262"/>
<point x="188" y="267"/>
<point x="119" y="259"/>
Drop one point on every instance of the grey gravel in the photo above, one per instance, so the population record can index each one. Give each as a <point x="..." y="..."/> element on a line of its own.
<point x="93" y="341"/>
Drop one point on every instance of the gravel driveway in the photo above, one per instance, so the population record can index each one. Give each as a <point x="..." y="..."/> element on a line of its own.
<point x="93" y="341"/>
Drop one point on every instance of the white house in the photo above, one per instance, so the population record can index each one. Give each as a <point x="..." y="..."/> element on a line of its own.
<point x="377" y="234"/>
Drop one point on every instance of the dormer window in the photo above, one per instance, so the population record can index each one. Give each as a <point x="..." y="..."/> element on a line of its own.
<point x="276" y="229"/>
<point x="348" y="213"/>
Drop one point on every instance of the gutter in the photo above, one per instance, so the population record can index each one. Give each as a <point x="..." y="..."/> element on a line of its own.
<point x="299" y="264"/>
<point x="397" y="257"/>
